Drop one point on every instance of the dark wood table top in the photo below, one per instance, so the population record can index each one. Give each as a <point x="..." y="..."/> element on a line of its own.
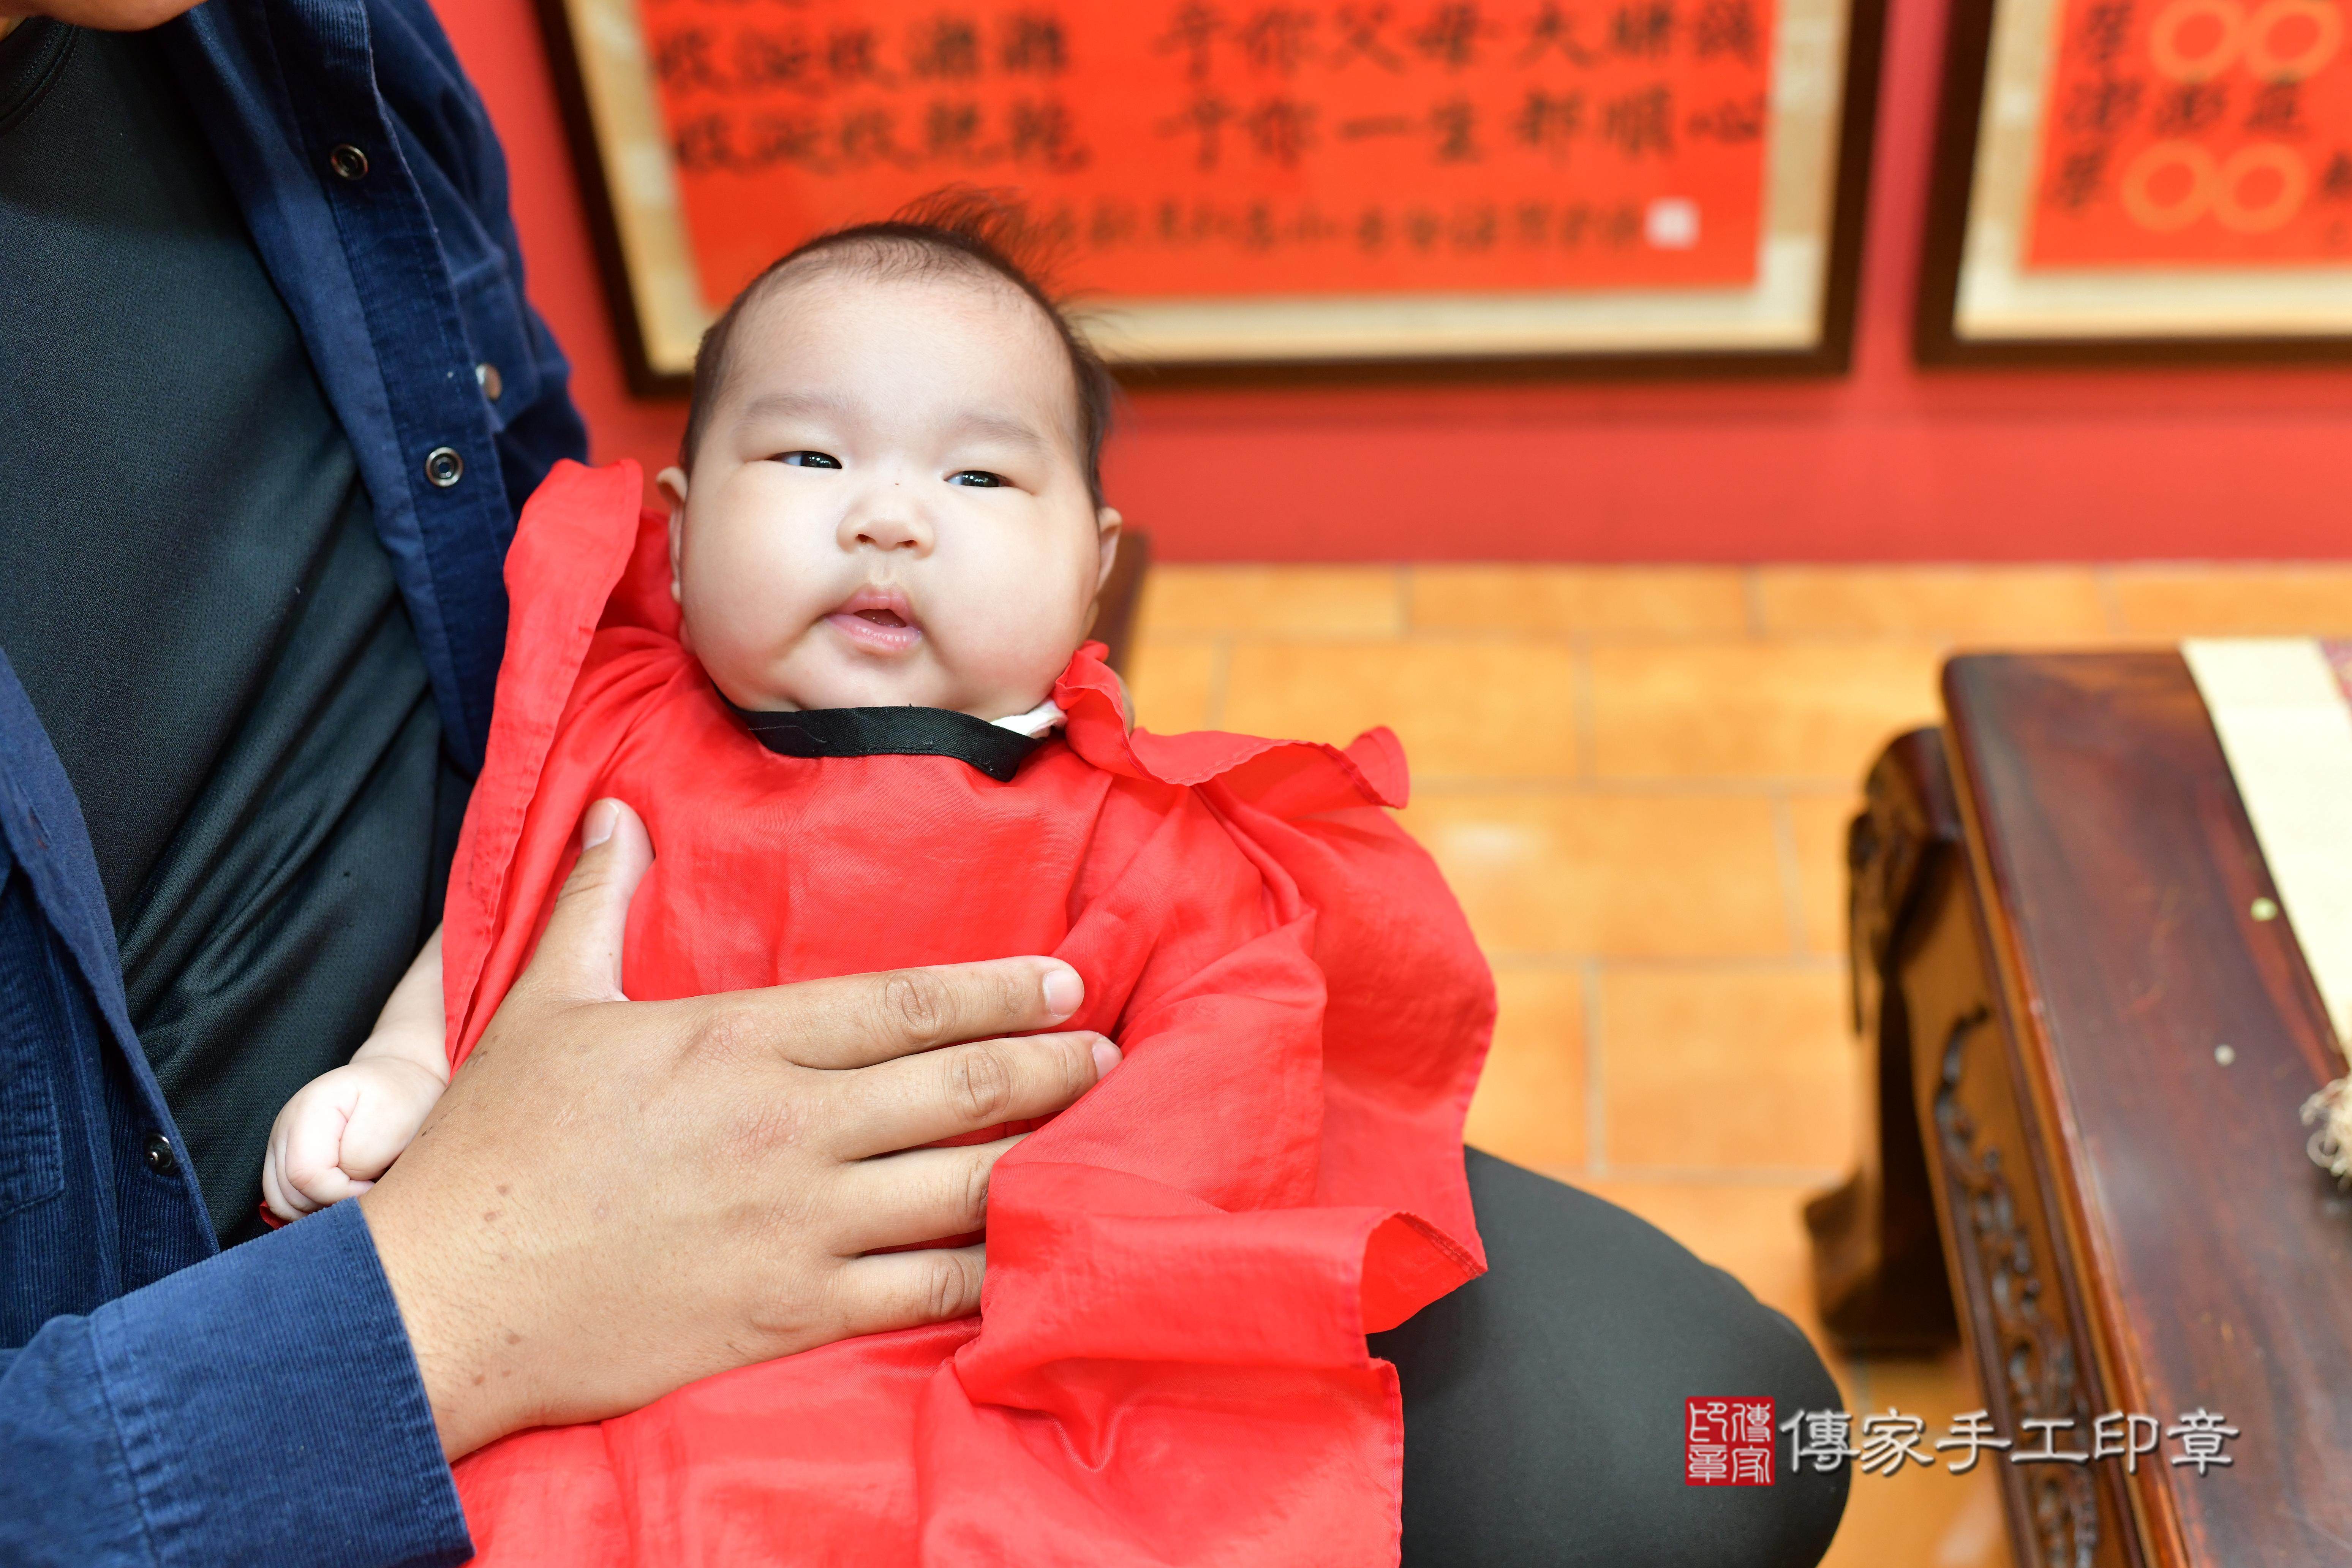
<point x="2118" y="874"/>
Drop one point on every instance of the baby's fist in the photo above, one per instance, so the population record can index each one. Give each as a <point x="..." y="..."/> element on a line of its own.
<point x="341" y="1131"/>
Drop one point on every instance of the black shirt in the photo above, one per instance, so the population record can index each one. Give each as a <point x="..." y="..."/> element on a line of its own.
<point x="194" y="597"/>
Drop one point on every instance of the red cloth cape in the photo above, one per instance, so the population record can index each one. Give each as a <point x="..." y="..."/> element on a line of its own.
<point x="1169" y="1366"/>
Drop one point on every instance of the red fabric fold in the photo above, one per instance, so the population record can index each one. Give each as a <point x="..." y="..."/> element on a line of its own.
<point x="1169" y="1364"/>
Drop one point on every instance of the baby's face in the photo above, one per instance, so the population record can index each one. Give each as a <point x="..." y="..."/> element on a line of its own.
<point x="889" y="506"/>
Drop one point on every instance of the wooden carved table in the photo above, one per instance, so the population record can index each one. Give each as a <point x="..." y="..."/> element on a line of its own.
<point x="2055" y="934"/>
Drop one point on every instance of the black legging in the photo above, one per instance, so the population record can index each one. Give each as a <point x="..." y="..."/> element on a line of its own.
<point x="1543" y="1401"/>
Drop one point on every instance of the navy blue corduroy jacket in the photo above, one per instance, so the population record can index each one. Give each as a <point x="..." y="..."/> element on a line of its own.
<point x="161" y="1402"/>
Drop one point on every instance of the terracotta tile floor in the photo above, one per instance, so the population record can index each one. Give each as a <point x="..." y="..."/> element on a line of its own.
<point x="1637" y="779"/>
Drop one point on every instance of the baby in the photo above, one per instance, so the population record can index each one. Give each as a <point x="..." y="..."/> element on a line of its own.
<point x="844" y="683"/>
<point x="827" y="559"/>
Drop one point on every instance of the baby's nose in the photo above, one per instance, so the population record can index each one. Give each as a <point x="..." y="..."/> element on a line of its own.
<point x="888" y="535"/>
<point x="886" y="527"/>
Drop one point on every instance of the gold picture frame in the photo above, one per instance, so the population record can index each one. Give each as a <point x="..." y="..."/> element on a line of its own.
<point x="1794" y="315"/>
<point x="2010" y="120"/>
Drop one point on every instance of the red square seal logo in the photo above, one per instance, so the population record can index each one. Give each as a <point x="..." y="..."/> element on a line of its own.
<point x="1727" y="1442"/>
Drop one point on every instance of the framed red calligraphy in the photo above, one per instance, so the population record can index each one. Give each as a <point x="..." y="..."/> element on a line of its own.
<point x="1232" y="182"/>
<point x="2142" y="178"/>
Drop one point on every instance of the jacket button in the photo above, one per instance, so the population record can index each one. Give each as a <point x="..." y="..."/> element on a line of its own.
<point x="159" y="1156"/>
<point x="348" y="162"/>
<point x="444" y="467"/>
<point x="493" y="383"/>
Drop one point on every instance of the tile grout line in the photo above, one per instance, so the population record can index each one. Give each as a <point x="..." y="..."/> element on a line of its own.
<point x="1664" y="963"/>
<point x="1792" y="871"/>
<point x="1220" y="669"/>
<point x="1588" y="724"/>
<point x="1808" y="1177"/>
<point x="1702" y="787"/>
<point x="2111" y="603"/>
<point x="1608" y="637"/>
<point x="1751" y="597"/>
<point x="1596" y="1121"/>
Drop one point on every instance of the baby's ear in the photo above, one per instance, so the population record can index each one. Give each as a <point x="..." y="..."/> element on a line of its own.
<point x="671" y="482"/>
<point x="1108" y="523"/>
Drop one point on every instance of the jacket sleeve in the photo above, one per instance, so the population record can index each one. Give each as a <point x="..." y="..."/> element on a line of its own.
<point x="261" y="1406"/>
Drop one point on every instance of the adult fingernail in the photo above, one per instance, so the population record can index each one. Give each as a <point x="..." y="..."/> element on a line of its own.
<point x="1106" y="1057"/>
<point x="598" y="825"/>
<point x="1063" y="991"/>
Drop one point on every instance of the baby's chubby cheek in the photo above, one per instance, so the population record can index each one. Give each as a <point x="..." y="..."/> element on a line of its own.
<point x="746" y="632"/>
<point x="1008" y="655"/>
<point x="1002" y="641"/>
<point x="997" y="613"/>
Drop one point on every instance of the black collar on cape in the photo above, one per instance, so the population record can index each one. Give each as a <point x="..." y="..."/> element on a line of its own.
<point x="890" y="732"/>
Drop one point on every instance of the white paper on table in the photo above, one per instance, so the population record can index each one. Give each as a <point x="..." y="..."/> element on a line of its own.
<point x="2286" y="729"/>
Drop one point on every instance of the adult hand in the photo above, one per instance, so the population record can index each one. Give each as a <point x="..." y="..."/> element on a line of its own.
<point x="618" y="1197"/>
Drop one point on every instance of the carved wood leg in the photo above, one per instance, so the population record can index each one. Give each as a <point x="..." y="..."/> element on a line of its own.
<point x="1878" y="1261"/>
<point x="1883" y="1260"/>
<point x="2021" y="1326"/>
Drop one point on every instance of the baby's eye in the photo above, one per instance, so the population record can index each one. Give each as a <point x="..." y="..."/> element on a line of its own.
<point x="979" y="478"/>
<point x="807" y="459"/>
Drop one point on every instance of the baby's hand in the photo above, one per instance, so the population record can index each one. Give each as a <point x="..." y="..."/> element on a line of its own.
<point x="341" y="1131"/>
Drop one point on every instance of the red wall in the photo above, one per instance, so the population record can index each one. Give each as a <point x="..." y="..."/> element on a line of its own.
<point x="1885" y="463"/>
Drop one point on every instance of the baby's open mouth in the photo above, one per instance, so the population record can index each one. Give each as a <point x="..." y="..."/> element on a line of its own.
<point x="878" y="620"/>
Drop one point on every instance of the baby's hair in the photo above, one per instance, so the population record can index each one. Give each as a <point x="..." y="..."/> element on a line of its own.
<point x="956" y="228"/>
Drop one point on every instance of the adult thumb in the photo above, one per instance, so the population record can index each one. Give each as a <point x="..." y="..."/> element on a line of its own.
<point x="579" y="956"/>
